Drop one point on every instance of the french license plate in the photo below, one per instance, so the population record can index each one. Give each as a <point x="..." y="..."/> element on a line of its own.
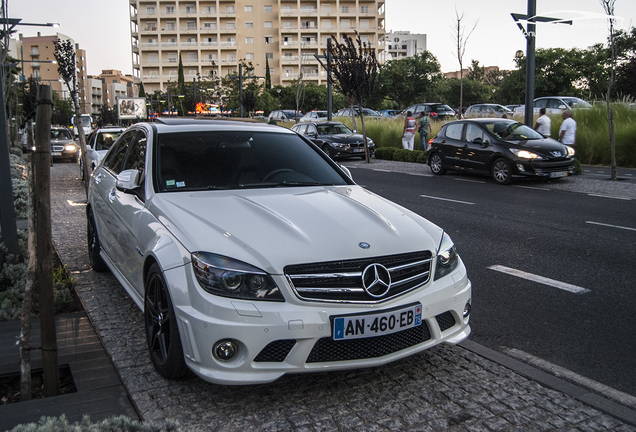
<point x="377" y="323"/>
<point x="56" y="154"/>
<point x="558" y="174"/>
<point x="358" y="150"/>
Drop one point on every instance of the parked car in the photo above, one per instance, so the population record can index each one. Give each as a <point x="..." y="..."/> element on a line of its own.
<point x="315" y="116"/>
<point x="501" y="148"/>
<point x="435" y="111"/>
<point x="487" y="111"/>
<point x="389" y="113"/>
<point x="98" y="143"/>
<point x="285" y="115"/>
<point x="512" y="107"/>
<point x="354" y="111"/>
<point x="335" y="139"/>
<point x="62" y="144"/>
<point x="554" y="105"/>
<point x="253" y="254"/>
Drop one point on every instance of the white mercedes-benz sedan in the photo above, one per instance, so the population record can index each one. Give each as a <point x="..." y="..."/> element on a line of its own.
<point x="252" y="254"/>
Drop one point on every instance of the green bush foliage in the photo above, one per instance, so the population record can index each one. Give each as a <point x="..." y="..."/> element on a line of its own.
<point x="111" y="424"/>
<point x="20" y="184"/>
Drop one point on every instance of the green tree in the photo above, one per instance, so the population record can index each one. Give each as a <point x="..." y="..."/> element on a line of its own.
<point x="268" y="76"/>
<point x="142" y="91"/>
<point x="625" y="47"/>
<point x="409" y="80"/>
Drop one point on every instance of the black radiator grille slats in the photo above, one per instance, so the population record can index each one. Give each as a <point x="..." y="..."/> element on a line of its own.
<point x="341" y="281"/>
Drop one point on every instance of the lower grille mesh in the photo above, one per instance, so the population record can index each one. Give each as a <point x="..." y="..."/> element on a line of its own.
<point x="328" y="350"/>
<point x="445" y="320"/>
<point x="276" y="351"/>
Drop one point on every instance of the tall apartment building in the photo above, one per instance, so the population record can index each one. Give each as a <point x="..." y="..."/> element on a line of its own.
<point x="212" y="36"/>
<point x="402" y="44"/>
<point x="36" y="55"/>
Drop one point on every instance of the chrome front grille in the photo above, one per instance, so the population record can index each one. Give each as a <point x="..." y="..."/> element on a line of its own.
<point x="341" y="281"/>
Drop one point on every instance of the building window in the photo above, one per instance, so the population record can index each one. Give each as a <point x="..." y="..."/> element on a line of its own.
<point x="249" y="56"/>
<point x="364" y="23"/>
<point x="269" y="39"/>
<point x="287" y="9"/>
<point x="192" y="57"/>
<point x="364" y="9"/>
<point x="345" y="24"/>
<point x="172" y="57"/>
<point x="150" y="10"/>
<point x="269" y="24"/>
<point x="209" y="26"/>
<point x="191" y="9"/>
<point x="249" y="24"/>
<point x="268" y="8"/>
<point x="229" y="9"/>
<point x="287" y="24"/>
<point x="230" y="25"/>
<point x="231" y="57"/>
<point x="288" y="56"/>
<point x="249" y="8"/>
<point x="249" y="40"/>
<point x="269" y="56"/>
<point x="208" y="9"/>
<point x="169" y="10"/>
<point x="191" y="25"/>
<point x="344" y="9"/>
<point x="170" y="25"/>
<point x="152" y="57"/>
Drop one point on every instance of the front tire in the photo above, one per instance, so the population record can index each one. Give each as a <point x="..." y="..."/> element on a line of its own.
<point x="436" y="165"/>
<point x="502" y="171"/>
<point x="95" y="259"/>
<point x="162" y="332"/>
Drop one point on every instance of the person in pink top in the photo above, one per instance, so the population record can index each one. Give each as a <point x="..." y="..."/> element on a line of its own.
<point x="408" y="132"/>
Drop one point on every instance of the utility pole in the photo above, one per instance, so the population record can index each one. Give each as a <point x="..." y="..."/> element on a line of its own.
<point x="240" y="86"/>
<point x="329" y="81"/>
<point x="44" y="246"/>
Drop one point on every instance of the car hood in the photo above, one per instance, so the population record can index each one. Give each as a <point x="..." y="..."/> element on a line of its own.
<point x="352" y="138"/>
<point x="272" y="228"/>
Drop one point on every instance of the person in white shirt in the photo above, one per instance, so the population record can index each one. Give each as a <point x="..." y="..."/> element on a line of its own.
<point x="544" y="124"/>
<point x="567" y="132"/>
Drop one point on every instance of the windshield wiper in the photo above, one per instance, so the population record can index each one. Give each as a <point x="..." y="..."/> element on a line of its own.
<point x="277" y="184"/>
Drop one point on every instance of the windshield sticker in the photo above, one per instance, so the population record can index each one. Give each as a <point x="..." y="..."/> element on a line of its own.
<point x="169" y="182"/>
<point x="180" y="184"/>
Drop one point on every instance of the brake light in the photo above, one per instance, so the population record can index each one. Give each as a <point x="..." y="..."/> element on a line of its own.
<point x="433" y="113"/>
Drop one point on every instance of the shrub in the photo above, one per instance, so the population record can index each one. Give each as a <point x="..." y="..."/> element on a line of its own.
<point x="385" y="153"/>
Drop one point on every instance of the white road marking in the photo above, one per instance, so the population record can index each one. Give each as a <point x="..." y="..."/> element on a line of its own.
<point x="607" y="196"/>
<point x="446" y="199"/>
<point x="420" y="175"/>
<point x="468" y="180"/>
<point x="75" y="203"/>
<point x="532" y="187"/>
<point x="611" y="226"/>
<point x="568" y="375"/>
<point x="540" y="279"/>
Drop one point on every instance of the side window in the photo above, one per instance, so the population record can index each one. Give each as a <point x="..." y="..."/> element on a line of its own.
<point x="454" y="131"/>
<point x="555" y="103"/>
<point x="311" y="129"/>
<point x="541" y="103"/>
<point x="114" y="159"/>
<point x="473" y="132"/>
<point x="136" y="158"/>
<point x="302" y="129"/>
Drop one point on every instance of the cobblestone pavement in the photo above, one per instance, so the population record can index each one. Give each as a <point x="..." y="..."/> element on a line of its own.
<point x="445" y="388"/>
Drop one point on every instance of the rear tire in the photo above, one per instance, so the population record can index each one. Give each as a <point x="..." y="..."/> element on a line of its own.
<point x="502" y="171"/>
<point x="436" y="165"/>
<point x="96" y="261"/>
<point x="162" y="331"/>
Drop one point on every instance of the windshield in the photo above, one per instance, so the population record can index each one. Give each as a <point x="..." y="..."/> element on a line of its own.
<point x="60" y="134"/>
<point x="576" y="103"/>
<point x="512" y="131"/>
<point x="333" y="129"/>
<point x="106" y="139"/>
<point x="236" y="160"/>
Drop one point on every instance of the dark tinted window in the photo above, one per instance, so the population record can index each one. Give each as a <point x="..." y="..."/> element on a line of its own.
<point x="440" y="107"/>
<point x="114" y="159"/>
<point x="232" y="160"/>
<point x="454" y="131"/>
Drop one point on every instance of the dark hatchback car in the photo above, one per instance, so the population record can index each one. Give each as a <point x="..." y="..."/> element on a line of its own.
<point x="334" y="138"/>
<point x="498" y="147"/>
<point x="436" y="111"/>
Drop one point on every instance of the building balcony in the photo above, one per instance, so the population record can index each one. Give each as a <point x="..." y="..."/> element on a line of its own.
<point x="149" y="45"/>
<point x="189" y="44"/>
<point x="231" y="45"/>
<point x="209" y="44"/>
<point x="168" y="44"/>
<point x="292" y="59"/>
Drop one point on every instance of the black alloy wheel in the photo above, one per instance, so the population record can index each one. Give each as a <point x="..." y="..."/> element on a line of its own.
<point x="436" y="165"/>
<point x="502" y="171"/>
<point x="162" y="333"/>
<point x="326" y="149"/>
<point x="96" y="261"/>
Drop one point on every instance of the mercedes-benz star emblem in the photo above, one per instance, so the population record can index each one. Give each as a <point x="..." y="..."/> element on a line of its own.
<point x="376" y="280"/>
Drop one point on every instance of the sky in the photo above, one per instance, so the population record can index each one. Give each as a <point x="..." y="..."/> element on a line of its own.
<point x="102" y="27"/>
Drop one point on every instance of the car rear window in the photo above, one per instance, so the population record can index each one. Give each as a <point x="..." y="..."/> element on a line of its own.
<point x="440" y="107"/>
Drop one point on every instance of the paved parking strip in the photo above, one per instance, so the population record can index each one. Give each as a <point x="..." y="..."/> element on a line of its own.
<point x="463" y="388"/>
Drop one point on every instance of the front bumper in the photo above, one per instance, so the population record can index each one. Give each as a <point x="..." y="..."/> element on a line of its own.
<point x="63" y="152"/>
<point x="276" y="338"/>
<point x="543" y="169"/>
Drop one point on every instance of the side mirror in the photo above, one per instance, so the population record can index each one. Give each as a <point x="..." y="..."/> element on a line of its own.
<point x="480" y="142"/>
<point x="128" y="180"/>
<point x="562" y="107"/>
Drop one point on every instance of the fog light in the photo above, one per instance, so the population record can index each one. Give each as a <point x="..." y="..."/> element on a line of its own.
<point x="467" y="310"/>
<point x="520" y="167"/>
<point x="225" y="350"/>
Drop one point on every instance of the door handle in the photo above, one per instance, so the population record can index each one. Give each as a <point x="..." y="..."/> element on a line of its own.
<point x="112" y="194"/>
<point x="98" y="178"/>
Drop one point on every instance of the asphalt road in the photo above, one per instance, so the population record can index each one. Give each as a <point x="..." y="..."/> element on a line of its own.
<point x="582" y="316"/>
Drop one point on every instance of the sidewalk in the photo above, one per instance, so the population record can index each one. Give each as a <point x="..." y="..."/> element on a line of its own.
<point x="464" y="388"/>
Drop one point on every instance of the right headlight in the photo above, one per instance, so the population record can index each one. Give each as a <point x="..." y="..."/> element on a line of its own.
<point x="226" y="277"/>
<point x="447" y="258"/>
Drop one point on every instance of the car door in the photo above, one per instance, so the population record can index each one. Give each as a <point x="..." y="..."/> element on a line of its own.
<point x="452" y="145"/>
<point x="102" y="181"/>
<point x="476" y="151"/>
<point x="127" y="209"/>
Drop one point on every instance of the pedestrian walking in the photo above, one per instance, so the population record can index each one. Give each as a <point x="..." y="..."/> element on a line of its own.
<point x="408" y="131"/>
<point x="543" y="124"/>
<point x="424" y="127"/>
<point x="567" y="132"/>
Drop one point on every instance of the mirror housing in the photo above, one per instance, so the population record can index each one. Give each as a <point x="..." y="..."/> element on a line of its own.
<point x="128" y="180"/>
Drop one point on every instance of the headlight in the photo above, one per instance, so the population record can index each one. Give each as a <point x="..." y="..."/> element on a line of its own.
<point x="570" y="151"/>
<point x="525" y="154"/>
<point x="70" y="147"/>
<point x="226" y="277"/>
<point x="447" y="258"/>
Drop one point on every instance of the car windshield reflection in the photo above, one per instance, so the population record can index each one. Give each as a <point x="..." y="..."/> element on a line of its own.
<point x="512" y="131"/>
<point x="333" y="129"/>
<point x="238" y="160"/>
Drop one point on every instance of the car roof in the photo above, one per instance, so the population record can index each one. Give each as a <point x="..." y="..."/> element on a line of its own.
<point x="168" y="124"/>
<point x="482" y="120"/>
